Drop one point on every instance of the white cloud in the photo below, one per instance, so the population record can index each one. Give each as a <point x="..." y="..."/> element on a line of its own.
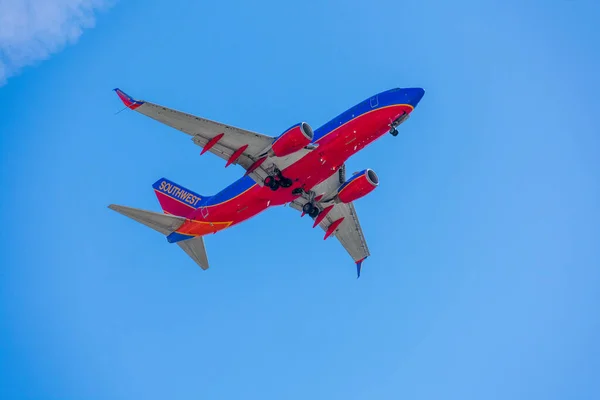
<point x="32" y="30"/>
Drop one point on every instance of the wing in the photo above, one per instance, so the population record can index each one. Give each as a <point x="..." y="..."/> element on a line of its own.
<point x="234" y="145"/>
<point x="338" y="219"/>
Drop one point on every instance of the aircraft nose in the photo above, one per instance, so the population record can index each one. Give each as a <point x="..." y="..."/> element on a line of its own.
<point x="414" y="95"/>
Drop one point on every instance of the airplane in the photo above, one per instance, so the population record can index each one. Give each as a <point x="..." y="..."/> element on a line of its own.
<point x="302" y="167"/>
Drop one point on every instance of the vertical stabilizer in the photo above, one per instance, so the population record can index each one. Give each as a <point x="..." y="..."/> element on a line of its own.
<point x="174" y="199"/>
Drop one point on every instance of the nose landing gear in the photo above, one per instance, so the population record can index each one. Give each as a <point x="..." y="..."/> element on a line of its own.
<point x="398" y="121"/>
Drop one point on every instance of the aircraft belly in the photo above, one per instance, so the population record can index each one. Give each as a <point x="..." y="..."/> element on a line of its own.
<point x="322" y="163"/>
<point x="311" y="170"/>
<point x="231" y="213"/>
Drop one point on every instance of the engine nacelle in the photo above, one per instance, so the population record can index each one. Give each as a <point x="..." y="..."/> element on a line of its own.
<point x="358" y="186"/>
<point x="292" y="140"/>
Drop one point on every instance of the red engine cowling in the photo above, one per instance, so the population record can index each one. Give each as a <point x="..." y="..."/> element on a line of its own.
<point x="358" y="186"/>
<point x="292" y="140"/>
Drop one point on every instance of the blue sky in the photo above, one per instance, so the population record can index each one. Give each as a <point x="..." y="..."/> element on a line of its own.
<point x="484" y="276"/>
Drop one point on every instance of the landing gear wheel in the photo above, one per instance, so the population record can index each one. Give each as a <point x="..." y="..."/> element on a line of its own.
<point x="271" y="183"/>
<point x="307" y="208"/>
<point x="285" y="182"/>
<point x="394" y="132"/>
<point x="311" y="210"/>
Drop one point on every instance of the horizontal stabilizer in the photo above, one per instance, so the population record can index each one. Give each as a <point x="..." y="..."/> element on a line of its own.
<point x="162" y="223"/>
<point x="196" y="250"/>
<point x="167" y="224"/>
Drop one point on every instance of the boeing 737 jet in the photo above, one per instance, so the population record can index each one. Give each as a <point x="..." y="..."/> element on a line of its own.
<point x="302" y="167"/>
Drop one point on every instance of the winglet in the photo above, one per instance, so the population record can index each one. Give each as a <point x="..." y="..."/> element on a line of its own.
<point x="359" y="267"/>
<point x="129" y="101"/>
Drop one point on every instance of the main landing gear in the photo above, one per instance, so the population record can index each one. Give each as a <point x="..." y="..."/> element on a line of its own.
<point x="277" y="180"/>
<point x="310" y="209"/>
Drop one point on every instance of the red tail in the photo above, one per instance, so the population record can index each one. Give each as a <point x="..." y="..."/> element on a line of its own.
<point x="175" y="199"/>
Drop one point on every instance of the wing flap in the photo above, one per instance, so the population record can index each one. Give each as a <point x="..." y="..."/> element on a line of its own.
<point x="231" y="138"/>
<point x="349" y="232"/>
<point x="203" y="128"/>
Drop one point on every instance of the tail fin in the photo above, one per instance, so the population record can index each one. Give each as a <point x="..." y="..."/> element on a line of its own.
<point x="175" y="199"/>
<point x="167" y="224"/>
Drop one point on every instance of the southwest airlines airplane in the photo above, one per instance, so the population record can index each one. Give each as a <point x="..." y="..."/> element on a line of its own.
<point x="300" y="167"/>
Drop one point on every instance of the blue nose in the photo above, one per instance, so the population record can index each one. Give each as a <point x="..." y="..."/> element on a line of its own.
<point x="414" y="95"/>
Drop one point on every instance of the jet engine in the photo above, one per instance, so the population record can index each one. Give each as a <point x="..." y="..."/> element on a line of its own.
<point x="292" y="140"/>
<point x="361" y="184"/>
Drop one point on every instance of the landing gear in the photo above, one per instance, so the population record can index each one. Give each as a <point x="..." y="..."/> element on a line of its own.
<point x="314" y="213"/>
<point x="310" y="209"/>
<point x="272" y="183"/>
<point x="277" y="180"/>
<point x="285" y="182"/>
<point x="307" y="208"/>
<point x="300" y="191"/>
<point x="398" y="121"/>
